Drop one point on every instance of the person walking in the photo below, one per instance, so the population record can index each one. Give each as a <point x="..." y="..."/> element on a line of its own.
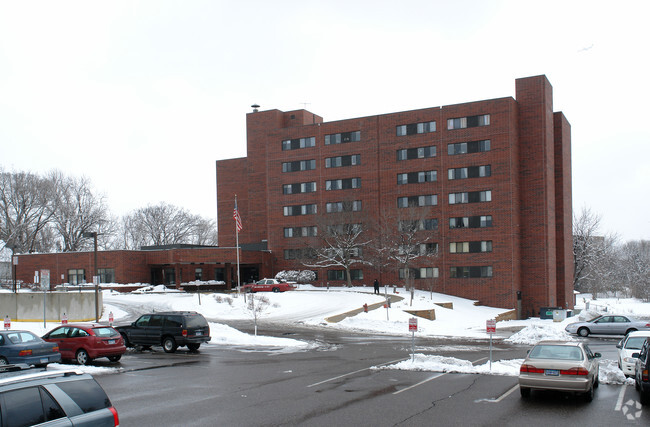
<point x="376" y="286"/>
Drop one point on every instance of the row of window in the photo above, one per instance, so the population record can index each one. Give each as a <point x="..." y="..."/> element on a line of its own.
<point x="419" y="273"/>
<point x="343" y="184"/>
<point x="400" y="130"/>
<point x="77" y="276"/>
<point x="353" y="206"/>
<point x="470" y="172"/>
<point x="470" y="247"/>
<point x="479" y="221"/>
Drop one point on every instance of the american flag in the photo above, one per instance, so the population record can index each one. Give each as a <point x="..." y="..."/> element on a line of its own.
<point x="237" y="218"/>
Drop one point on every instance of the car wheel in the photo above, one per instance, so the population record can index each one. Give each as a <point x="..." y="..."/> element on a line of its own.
<point x="589" y="395"/>
<point x="596" y="382"/>
<point x="583" y="332"/>
<point x="644" y="398"/>
<point x="637" y="387"/>
<point x="276" y="290"/>
<point x="193" y="347"/>
<point x="3" y="361"/>
<point x="525" y="392"/>
<point x="127" y="343"/>
<point x="82" y="357"/>
<point x="630" y="330"/>
<point x="115" y="358"/>
<point x="169" y="345"/>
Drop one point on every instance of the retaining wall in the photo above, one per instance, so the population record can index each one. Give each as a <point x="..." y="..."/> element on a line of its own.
<point x="28" y="307"/>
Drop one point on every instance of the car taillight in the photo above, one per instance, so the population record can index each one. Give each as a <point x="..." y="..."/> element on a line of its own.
<point x="574" y="371"/>
<point x="184" y="332"/>
<point x="25" y="353"/>
<point x="531" y="369"/>
<point x="644" y="375"/>
<point x="55" y="349"/>
<point x="116" y="419"/>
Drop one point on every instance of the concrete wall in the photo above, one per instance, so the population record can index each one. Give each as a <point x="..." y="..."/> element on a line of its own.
<point x="28" y="307"/>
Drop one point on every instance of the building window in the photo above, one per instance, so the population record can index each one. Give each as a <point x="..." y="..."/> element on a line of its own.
<point x="106" y="275"/>
<point x="300" y="187"/>
<point x="299" y="210"/>
<point x="337" y="162"/>
<point x="309" y="231"/>
<point x="342" y="138"/>
<point x="76" y="276"/>
<point x="415" y="128"/>
<point x="470" y="197"/>
<point x="198" y="274"/>
<point x="353" y="206"/>
<point x="471" y="272"/>
<point x="295" y="144"/>
<point x="470" y="172"/>
<point x="481" y="221"/>
<point x="468" y="147"/>
<point x="470" y="247"/>
<point x="416" y="153"/>
<point x="342" y="184"/>
<point x="340" y="275"/>
<point x="468" y="122"/>
<point x="299" y="165"/>
<point x="416" y="201"/>
<point x="302" y="253"/>
<point x="416" y="177"/>
<point x="419" y="273"/>
<point x="424" y="224"/>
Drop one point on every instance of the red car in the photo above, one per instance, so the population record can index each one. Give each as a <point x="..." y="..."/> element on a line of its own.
<point x="85" y="342"/>
<point x="268" y="285"/>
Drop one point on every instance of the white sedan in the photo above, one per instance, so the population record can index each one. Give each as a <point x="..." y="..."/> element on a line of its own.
<point x="627" y="347"/>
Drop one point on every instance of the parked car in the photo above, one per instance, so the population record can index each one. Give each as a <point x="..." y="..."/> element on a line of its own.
<point x="57" y="398"/>
<point x="627" y="347"/>
<point x="268" y="285"/>
<point x="85" y="342"/>
<point x="562" y="366"/>
<point x="608" y="325"/>
<point x="642" y="372"/>
<point x="25" y="347"/>
<point x="168" y="329"/>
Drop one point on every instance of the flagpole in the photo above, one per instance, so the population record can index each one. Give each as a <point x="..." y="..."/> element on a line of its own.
<point x="237" y="247"/>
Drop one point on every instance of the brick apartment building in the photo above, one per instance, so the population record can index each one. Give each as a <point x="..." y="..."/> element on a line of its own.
<point x="494" y="177"/>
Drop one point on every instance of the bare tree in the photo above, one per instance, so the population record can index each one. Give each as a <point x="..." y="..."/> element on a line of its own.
<point x="635" y="260"/>
<point x="342" y="239"/>
<point x="26" y="208"/>
<point x="78" y="211"/>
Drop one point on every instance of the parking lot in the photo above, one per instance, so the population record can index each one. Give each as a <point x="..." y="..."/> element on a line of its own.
<point x="339" y="383"/>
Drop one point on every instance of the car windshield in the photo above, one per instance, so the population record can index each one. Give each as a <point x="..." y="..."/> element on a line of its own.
<point x="105" y="332"/>
<point x="20" y="337"/>
<point x="635" y="343"/>
<point x="563" y="352"/>
<point x="196" y="321"/>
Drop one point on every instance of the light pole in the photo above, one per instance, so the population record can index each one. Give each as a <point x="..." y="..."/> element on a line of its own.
<point x="93" y="234"/>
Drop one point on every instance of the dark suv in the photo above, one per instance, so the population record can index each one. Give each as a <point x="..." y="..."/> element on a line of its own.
<point x="169" y="329"/>
<point x="58" y="398"/>
<point x="642" y="374"/>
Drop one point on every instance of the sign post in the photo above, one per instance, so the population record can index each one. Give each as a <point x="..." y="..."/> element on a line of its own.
<point x="490" y="328"/>
<point x="45" y="284"/>
<point x="413" y="326"/>
<point x="7" y="323"/>
<point x="110" y="318"/>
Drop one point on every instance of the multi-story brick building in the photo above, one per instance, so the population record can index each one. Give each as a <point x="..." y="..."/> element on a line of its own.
<point x="494" y="176"/>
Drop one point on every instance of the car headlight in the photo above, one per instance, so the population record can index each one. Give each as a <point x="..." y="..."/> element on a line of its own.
<point x="629" y="360"/>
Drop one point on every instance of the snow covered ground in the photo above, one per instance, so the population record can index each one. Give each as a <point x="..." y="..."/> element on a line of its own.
<point x="312" y="306"/>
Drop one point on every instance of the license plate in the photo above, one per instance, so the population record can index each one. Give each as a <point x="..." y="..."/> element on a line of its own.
<point x="44" y="360"/>
<point x="551" y="372"/>
<point x="112" y="341"/>
<point x="199" y="333"/>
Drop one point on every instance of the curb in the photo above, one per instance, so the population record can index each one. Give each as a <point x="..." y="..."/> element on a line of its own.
<point x="338" y="317"/>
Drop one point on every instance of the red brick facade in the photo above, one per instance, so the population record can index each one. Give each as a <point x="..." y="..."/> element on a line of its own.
<point x="530" y="188"/>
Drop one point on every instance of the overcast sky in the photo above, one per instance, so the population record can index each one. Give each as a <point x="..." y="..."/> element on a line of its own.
<point x="143" y="96"/>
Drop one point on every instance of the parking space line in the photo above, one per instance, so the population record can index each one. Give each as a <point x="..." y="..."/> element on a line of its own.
<point x="420" y="383"/>
<point x="352" y="373"/>
<point x="621" y="396"/>
<point x="503" y="396"/>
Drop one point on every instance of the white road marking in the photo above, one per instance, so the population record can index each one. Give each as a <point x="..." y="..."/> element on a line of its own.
<point x="621" y="396"/>
<point x="503" y="396"/>
<point x="352" y="373"/>
<point x="420" y="383"/>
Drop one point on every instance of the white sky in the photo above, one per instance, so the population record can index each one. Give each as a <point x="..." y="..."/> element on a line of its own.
<point x="143" y="96"/>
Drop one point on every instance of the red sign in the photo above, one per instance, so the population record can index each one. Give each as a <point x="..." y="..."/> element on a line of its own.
<point x="413" y="324"/>
<point x="7" y="323"/>
<point x="491" y="326"/>
<point x="64" y="319"/>
<point x="110" y="318"/>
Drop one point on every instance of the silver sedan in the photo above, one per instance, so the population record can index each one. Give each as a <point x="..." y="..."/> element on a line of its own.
<point x="608" y="325"/>
<point x="562" y="366"/>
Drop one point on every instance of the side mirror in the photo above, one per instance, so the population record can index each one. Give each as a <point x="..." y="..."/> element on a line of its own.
<point x="597" y="355"/>
<point x="635" y="355"/>
<point x="619" y="345"/>
<point x="133" y="324"/>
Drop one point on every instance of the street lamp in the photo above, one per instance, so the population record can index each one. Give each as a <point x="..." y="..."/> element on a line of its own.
<point x="93" y="234"/>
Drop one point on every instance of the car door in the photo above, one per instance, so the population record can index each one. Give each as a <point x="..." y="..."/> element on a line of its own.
<point x="138" y="331"/>
<point x="602" y="325"/>
<point x="620" y="325"/>
<point x="76" y="339"/>
<point x="154" y="330"/>
<point x="60" y="337"/>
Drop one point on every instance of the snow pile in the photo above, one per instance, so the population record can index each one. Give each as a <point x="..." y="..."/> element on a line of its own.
<point x="225" y="335"/>
<point x="87" y="369"/>
<point x="610" y="374"/>
<point x="537" y="332"/>
<point x="435" y="363"/>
